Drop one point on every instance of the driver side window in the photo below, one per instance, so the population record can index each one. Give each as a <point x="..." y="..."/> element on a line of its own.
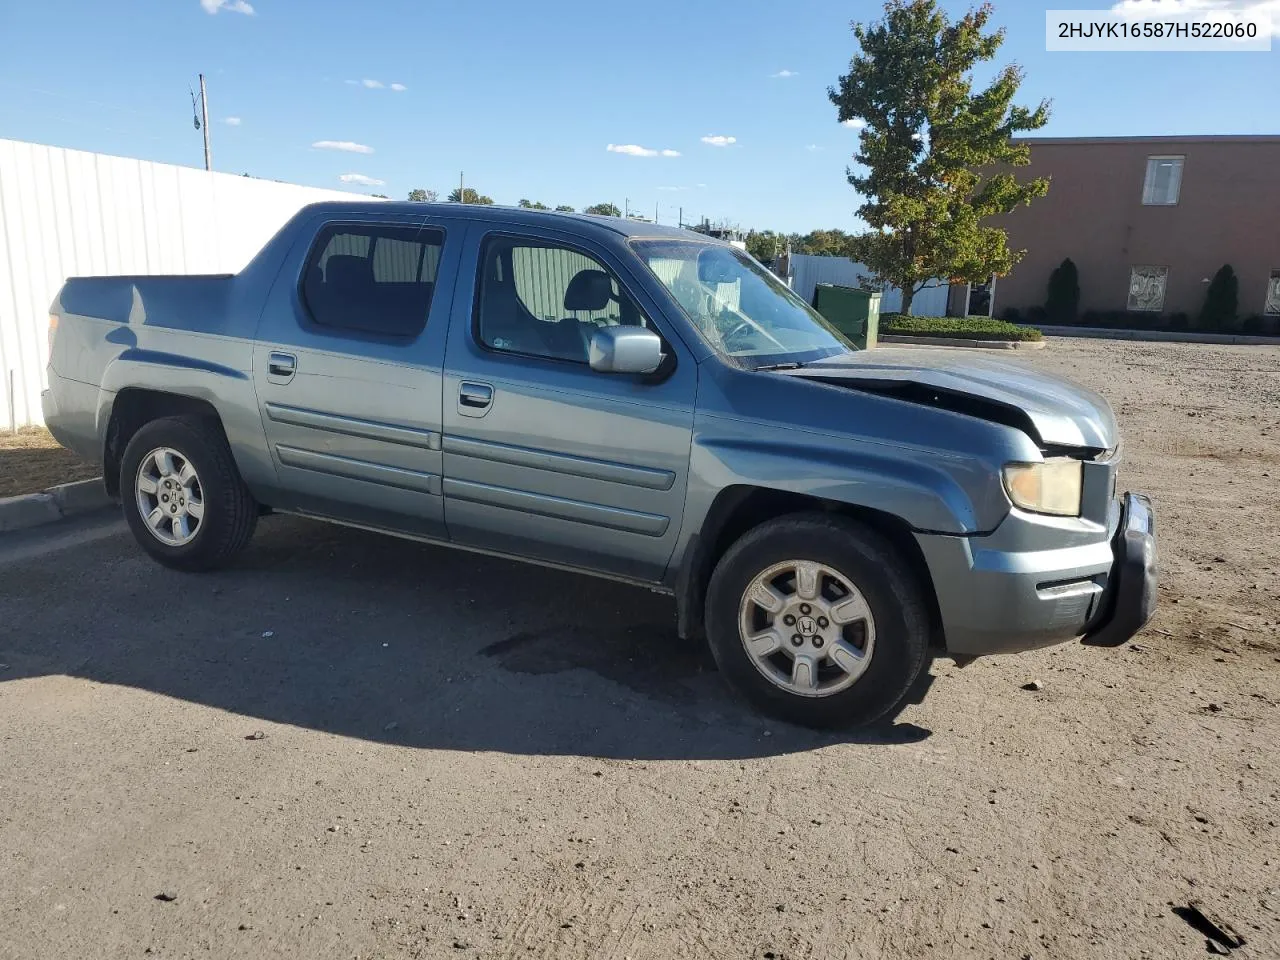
<point x="544" y="300"/>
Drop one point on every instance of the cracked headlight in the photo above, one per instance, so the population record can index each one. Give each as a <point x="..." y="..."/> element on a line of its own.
<point x="1052" y="486"/>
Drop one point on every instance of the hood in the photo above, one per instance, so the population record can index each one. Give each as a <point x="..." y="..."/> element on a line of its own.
<point x="1054" y="411"/>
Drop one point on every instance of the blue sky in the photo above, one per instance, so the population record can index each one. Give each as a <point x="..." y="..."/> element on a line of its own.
<point x="527" y="97"/>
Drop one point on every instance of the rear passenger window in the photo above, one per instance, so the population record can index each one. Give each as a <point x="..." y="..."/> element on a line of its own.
<point x="372" y="279"/>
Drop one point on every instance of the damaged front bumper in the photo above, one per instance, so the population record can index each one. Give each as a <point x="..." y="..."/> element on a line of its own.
<point x="1130" y="598"/>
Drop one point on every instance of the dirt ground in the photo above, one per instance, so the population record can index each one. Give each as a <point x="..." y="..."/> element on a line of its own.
<point x="31" y="461"/>
<point x="348" y="746"/>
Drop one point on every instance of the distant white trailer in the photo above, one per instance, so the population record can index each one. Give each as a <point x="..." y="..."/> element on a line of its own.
<point x="808" y="271"/>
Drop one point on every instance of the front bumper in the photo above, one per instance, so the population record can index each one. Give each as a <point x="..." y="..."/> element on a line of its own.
<point x="1130" y="599"/>
<point x="1039" y="581"/>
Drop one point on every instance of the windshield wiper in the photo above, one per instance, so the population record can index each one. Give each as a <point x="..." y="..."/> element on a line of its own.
<point x="786" y="365"/>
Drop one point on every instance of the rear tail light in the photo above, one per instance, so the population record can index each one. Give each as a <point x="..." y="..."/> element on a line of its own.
<point x="53" y="328"/>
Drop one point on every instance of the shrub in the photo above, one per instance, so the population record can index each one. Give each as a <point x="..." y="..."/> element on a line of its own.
<point x="1062" y="303"/>
<point x="960" y="328"/>
<point x="1221" y="300"/>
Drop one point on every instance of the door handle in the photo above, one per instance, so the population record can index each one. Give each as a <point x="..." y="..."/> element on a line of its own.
<point x="281" y="364"/>
<point x="474" y="398"/>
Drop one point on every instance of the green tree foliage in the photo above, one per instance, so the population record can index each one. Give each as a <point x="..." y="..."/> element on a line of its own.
<point x="418" y="195"/>
<point x="533" y="205"/>
<point x="765" y="245"/>
<point x="468" y="196"/>
<point x="935" y="154"/>
<point x="603" y="210"/>
<point x="1062" y="301"/>
<point x="564" y="208"/>
<point x="1221" y="300"/>
<point x="824" y="243"/>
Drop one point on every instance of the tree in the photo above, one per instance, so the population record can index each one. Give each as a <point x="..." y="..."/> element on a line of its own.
<point x="418" y="195"/>
<point x="379" y="196"/>
<point x="1062" y="301"/>
<point x="1221" y="300"/>
<point x="603" y="210"/>
<point x="468" y="196"/>
<point x="936" y="154"/>
<point x="825" y="243"/>
<point x="765" y="245"/>
<point x="534" y="205"/>
<point x="564" y="208"/>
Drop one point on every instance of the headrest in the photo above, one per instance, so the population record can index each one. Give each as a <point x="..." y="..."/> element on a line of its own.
<point x="346" y="270"/>
<point x="588" y="290"/>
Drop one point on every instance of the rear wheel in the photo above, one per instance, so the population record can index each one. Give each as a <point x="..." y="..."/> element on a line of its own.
<point x="816" y="619"/>
<point x="183" y="497"/>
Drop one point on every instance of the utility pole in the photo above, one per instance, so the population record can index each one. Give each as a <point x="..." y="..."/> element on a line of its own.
<point x="204" y="116"/>
<point x="462" y="186"/>
<point x="680" y="221"/>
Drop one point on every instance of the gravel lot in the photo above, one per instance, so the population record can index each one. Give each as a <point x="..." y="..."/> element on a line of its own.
<point x="350" y="746"/>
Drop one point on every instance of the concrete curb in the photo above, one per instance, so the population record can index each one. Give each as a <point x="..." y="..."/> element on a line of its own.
<point x="959" y="342"/>
<point x="55" y="503"/>
<point x="1155" y="336"/>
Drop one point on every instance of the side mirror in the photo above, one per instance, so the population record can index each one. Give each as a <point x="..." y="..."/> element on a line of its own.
<point x="625" y="350"/>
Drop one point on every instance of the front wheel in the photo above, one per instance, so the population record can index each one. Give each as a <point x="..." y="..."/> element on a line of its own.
<point x="183" y="497"/>
<point x="816" y="620"/>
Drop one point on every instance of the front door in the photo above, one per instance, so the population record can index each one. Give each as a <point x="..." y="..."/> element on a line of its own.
<point x="543" y="456"/>
<point x="348" y="373"/>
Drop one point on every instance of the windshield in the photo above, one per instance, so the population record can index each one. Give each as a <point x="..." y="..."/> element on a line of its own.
<point x="742" y="310"/>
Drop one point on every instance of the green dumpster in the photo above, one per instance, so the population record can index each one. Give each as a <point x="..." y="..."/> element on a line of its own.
<point x="854" y="312"/>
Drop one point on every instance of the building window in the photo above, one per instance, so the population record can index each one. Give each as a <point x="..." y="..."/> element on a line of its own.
<point x="1163" y="181"/>
<point x="1146" y="288"/>
<point x="1272" y="306"/>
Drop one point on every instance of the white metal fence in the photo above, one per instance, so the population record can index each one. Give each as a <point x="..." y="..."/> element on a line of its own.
<point x="808" y="271"/>
<point x="68" y="213"/>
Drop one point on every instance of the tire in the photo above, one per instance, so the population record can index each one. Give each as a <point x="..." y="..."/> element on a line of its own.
<point x="218" y="511"/>
<point x="856" y="672"/>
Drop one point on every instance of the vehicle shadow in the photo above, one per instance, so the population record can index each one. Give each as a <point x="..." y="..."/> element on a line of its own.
<point x="393" y="641"/>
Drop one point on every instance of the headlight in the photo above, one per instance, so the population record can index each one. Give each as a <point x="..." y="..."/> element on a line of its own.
<point x="1049" y="487"/>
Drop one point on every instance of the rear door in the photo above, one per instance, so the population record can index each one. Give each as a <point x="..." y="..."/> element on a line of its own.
<point x="543" y="456"/>
<point x="348" y="372"/>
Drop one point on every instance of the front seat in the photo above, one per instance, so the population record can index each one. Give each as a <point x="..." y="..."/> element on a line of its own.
<point x="590" y="291"/>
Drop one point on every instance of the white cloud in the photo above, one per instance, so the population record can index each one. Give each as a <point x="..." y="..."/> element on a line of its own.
<point x="699" y="185"/>
<point x="231" y="121"/>
<point x="719" y="141"/>
<point x="813" y="148"/>
<point x="1225" y="10"/>
<point x="399" y="87"/>
<point x="345" y="146"/>
<point x="361" y="180"/>
<point x="352" y="83"/>
<point x="232" y="6"/>
<point x="634" y="150"/>
<point x="371" y="84"/>
<point x="785" y="74"/>
<point x="854" y="123"/>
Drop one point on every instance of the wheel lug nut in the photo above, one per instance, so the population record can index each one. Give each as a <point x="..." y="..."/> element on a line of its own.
<point x="789" y="620"/>
<point x="823" y="622"/>
<point x="817" y="641"/>
<point x="796" y="639"/>
<point x="805" y="608"/>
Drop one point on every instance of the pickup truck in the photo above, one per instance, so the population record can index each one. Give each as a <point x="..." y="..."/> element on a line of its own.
<point x="618" y="399"/>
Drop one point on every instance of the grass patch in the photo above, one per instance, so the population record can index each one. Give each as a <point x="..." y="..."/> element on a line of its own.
<point x="958" y="328"/>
